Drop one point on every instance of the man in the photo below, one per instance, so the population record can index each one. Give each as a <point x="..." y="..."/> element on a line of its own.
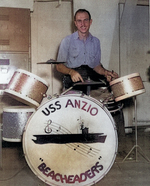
<point x="82" y="54"/>
<point x="81" y="50"/>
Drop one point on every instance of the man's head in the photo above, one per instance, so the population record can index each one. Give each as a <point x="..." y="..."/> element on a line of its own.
<point x="82" y="11"/>
<point x="83" y="21"/>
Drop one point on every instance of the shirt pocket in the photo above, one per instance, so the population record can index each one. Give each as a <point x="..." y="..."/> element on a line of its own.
<point x="73" y="52"/>
<point x="92" y="55"/>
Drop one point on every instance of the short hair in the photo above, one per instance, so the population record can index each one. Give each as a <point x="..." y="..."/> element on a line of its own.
<point x="81" y="11"/>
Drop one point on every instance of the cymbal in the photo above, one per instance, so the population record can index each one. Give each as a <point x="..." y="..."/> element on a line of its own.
<point x="88" y="82"/>
<point x="51" y="62"/>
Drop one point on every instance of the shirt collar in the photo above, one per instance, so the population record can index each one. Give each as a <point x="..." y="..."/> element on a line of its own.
<point x="76" y="36"/>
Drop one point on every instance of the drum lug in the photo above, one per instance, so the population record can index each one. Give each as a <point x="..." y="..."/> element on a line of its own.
<point x="56" y="95"/>
<point x="49" y="97"/>
<point x="44" y="95"/>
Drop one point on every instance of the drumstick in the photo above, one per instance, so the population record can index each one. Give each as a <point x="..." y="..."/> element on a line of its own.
<point x="66" y="90"/>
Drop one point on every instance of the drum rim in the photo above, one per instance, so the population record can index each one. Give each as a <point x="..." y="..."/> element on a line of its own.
<point x="30" y="164"/>
<point x="33" y="75"/>
<point x="23" y="99"/>
<point x="124" y="77"/>
<point x="18" y="108"/>
<point x="130" y="95"/>
<point x="11" y="139"/>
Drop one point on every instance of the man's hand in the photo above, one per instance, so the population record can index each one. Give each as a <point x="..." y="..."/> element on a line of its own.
<point x="75" y="76"/>
<point x="111" y="75"/>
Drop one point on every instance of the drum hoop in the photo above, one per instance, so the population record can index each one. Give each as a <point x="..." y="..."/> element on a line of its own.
<point x="18" y="109"/>
<point x="11" y="139"/>
<point x="17" y="95"/>
<point x="118" y="80"/>
<point x="32" y="75"/>
<point x="82" y="96"/>
<point x="131" y="95"/>
<point x="116" y="110"/>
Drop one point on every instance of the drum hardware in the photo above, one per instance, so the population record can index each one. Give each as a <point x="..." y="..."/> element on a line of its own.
<point x="49" y="97"/>
<point x="112" y="106"/>
<point x="51" y="62"/>
<point x="44" y="95"/>
<point x="87" y="83"/>
<point x="55" y="96"/>
<point x="0" y="146"/>
<point x="107" y="99"/>
<point x="136" y="146"/>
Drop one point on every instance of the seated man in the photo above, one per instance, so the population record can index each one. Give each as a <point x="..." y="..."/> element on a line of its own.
<point x="81" y="52"/>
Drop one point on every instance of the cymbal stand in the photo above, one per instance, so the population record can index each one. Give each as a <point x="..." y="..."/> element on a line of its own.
<point x="0" y="146"/>
<point x="136" y="146"/>
<point x="88" y="88"/>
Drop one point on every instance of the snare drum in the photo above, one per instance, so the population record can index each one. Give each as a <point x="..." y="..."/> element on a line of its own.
<point x="70" y="140"/>
<point x="14" y="121"/>
<point x="27" y="88"/>
<point x="127" y="86"/>
<point x="107" y="99"/>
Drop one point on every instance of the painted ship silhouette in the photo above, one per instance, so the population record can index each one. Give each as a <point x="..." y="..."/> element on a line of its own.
<point x="84" y="137"/>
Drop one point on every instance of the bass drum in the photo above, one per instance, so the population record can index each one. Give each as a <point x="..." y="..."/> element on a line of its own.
<point x="70" y="140"/>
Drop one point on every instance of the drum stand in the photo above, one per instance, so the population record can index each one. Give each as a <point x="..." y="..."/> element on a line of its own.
<point x="136" y="146"/>
<point x="0" y="146"/>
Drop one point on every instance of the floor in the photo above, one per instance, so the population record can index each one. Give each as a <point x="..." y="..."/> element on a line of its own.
<point x="132" y="170"/>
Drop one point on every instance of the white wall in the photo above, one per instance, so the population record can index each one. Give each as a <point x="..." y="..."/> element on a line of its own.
<point x="105" y="26"/>
<point x="134" y="57"/>
<point x="49" y="25"/>
<point x="17" y="4"/>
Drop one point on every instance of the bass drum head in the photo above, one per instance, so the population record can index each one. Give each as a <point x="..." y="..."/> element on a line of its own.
<point x="70" y="140"/>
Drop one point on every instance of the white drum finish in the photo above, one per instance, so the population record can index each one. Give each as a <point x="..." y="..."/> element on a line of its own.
<point x="59" y="152"/>
<point x="127" y="86"/>
<point x="14" y="121"/>
<point x="27" y="88"/>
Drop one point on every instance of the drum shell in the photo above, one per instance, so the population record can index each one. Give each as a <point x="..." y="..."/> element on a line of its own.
<point x="27" y="88"/>
<point x="63" y="117"/>
<point x="14" y="120"/>
<point x="127" y="86"/>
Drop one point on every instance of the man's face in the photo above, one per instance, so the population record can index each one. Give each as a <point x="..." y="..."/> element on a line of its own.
<point x="82" y="22"/>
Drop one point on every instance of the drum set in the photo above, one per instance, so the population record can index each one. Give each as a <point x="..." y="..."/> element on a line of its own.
<point x="70" y="139"/>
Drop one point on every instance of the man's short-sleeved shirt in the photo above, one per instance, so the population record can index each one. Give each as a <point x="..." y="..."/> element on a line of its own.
<point x="76" y="52"/>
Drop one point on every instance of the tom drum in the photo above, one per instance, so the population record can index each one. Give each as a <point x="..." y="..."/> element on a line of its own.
<point x="127" y="86"/>
<point x="27" y="88"/>
<point x="14" y="120"/>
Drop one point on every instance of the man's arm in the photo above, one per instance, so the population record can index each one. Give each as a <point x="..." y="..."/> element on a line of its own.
<point x="108" y="74"/>
<point x="75" y="76"/>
